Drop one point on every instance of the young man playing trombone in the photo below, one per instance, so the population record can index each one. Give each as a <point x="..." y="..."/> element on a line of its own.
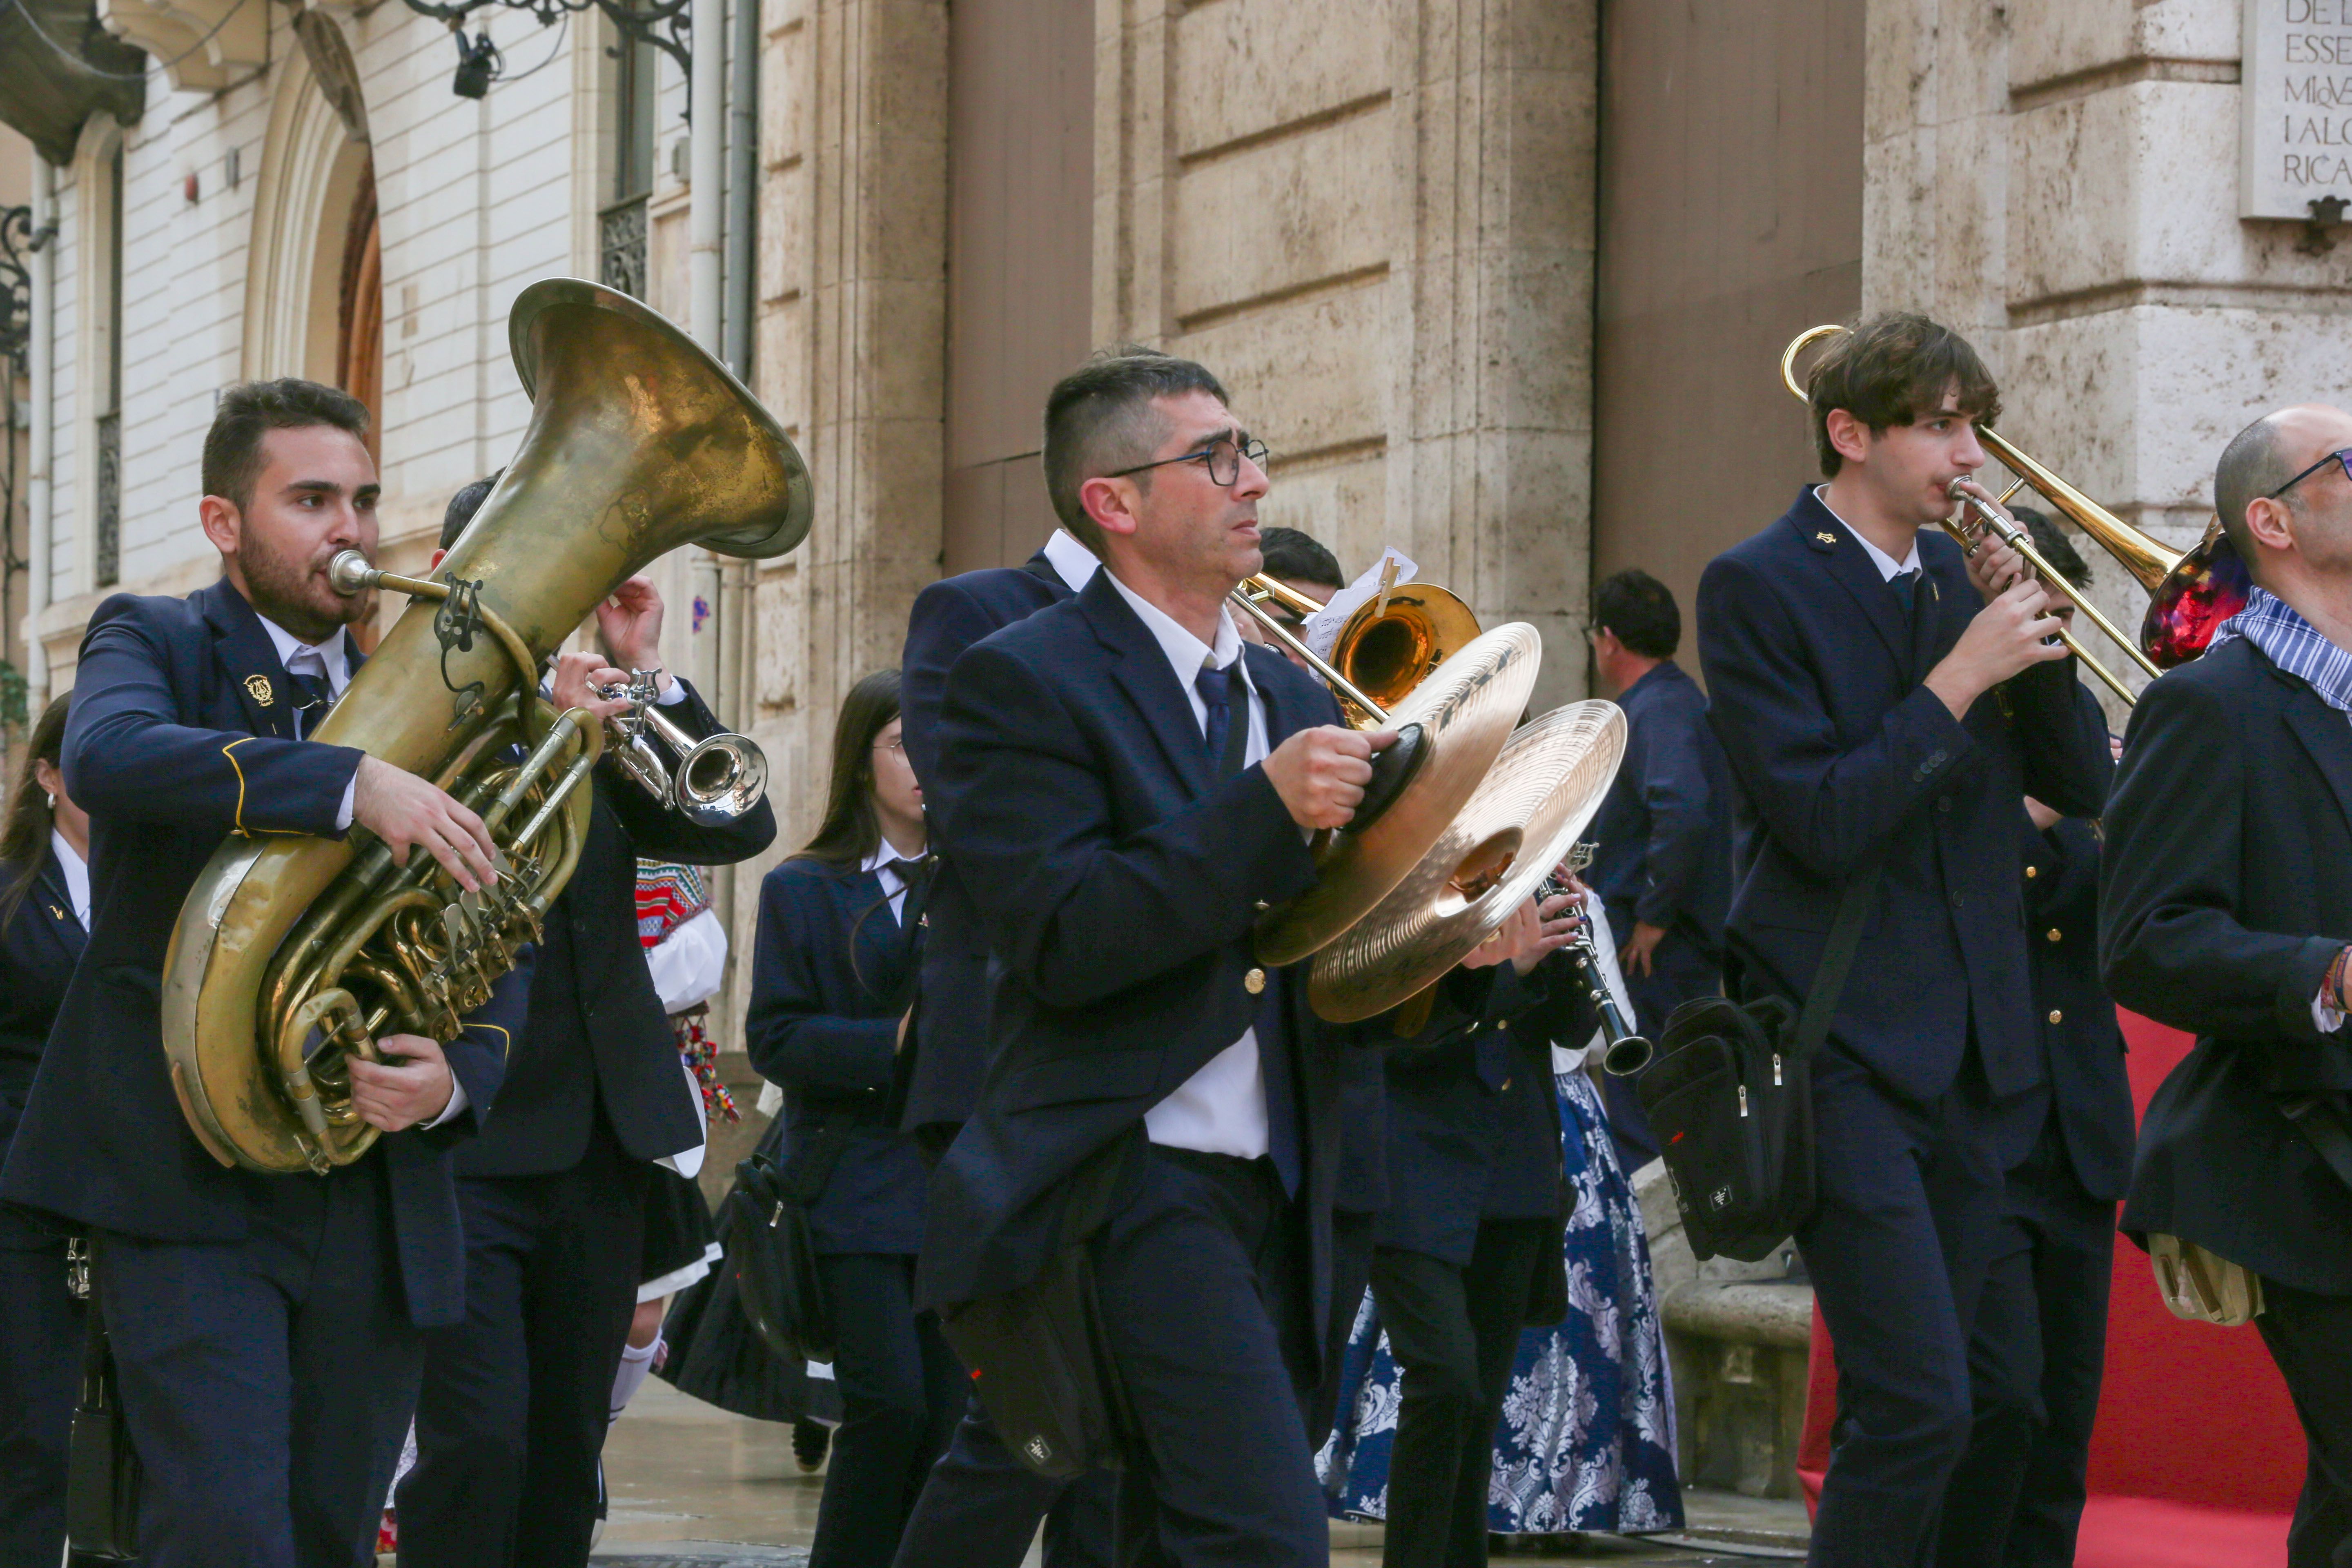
<point x="1884" y="701"/>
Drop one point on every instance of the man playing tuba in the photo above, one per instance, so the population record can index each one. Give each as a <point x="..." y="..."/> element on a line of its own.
<point x="265" y="1329"/>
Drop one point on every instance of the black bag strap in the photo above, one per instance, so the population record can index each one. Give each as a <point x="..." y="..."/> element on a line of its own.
<point x="2322" y="1126"/>
<point x="1837" y="958"/>
<point x="97" y="1356"/>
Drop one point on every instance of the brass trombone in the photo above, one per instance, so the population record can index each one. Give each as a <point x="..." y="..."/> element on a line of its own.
<point x="1385" y="649"/>
<point x="2150" y="563"/>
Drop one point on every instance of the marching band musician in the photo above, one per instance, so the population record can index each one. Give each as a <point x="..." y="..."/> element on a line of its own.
<point x="516" y="1397"/>
<point x="1124" y="785"/>
<point x="2226" y="912"/>
<point x="1884" y="702"/>
<point x="44" y="922"/>
<point x="265" y="1330"/>
<point x="979" y="1505"/>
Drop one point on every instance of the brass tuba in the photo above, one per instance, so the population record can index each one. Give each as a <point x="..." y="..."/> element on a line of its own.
<point x="293" y="954"/>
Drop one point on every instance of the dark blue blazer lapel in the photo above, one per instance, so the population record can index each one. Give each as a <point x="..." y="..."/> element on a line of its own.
<point x="877" y="945"/>
<point x="250" y="660"/>
<point x="1849" y="565"/>
<point x="49" y="887"/>
<point x="1928" y="609"/>
<point x="2328" y="736"/>
<point x="1140" y="666"/>
<point x="1283" y="718"/>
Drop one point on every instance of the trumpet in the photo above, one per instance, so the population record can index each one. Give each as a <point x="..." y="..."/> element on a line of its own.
<point x="711" y="778"/>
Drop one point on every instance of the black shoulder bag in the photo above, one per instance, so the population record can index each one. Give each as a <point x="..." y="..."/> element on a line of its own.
<point x="763" y="1229"/>
<point x="1039" y="1357"/>
<point x="1730" y="1103"/>
<point x="102" y="1470"/>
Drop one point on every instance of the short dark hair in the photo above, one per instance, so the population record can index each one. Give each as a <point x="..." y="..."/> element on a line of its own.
<point x="250" y="410"/>
<point x="1890" y="369"/>
<point x="464" y="505"/>
<point x="1298" y="557"/>
<point x="1641" y="610"/>
<point x="2252" y="465"/>
<point x="2055" y="547"/>
<point x="1098" y="418"/>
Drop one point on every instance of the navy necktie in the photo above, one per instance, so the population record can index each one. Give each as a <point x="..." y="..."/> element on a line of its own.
<point x="1227" y="741"/>
<point x="1907" y="589"/>
<point x="315" y="697"/>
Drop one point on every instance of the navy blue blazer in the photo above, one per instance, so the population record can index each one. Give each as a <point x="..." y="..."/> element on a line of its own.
<point x="2082" y="1052"/>
<point x="596" y="1035"/>
<point x="1665" y="827"/>
<point x="831" y="977"/>
<point x="1474" y="1122"/>
<point x="2223" y="901"/>
<point x="1838" y="753"/>
<point x="1118" y="878"/>
<point x="947" y="1044"/>
<point x="170" y="750"/>
<point x="39" y="945"/>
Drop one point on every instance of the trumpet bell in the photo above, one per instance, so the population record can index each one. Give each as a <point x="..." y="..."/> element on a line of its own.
<point x="1518" y="825"/>
<point x="719" y="779"/>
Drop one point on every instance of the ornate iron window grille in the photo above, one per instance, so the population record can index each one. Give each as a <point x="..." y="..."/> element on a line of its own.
<point x="108" y="564"/>
<point x="18" y="240"/>
<point x="622" y="244"/>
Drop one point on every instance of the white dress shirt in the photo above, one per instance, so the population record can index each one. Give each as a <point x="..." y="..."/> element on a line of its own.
<point x="76" y="871"/>
<point x="330" y="658"/>
<point x="1072" y="561"/>
<point x="884" y="864"/>
<point x="1219" y="1110"/>
<point x="1888" y="567"/>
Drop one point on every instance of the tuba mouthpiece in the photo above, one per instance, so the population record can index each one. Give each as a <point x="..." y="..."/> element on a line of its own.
<point x="349" y="574"/>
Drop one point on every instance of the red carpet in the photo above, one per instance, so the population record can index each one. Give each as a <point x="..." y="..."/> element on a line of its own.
<point x="2197" y="1457"/>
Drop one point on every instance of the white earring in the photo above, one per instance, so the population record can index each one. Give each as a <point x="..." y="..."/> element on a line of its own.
<point x="53" y="799"/>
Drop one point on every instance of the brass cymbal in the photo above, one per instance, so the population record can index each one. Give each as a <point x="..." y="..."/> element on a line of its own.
<point x="1464" y="712"/>
<point x="1522" y="821"/>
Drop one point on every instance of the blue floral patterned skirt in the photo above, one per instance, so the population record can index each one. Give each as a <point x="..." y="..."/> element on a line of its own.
<point x="1587" y="1437"/>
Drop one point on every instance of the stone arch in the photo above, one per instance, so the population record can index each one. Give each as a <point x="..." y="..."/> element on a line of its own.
<point x="316" y="179"/>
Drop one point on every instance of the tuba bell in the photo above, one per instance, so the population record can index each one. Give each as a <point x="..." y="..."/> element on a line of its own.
<point x="293" y="956"/>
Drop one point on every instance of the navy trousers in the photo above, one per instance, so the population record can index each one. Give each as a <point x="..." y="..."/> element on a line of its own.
<point x="40" y="1360"/>
<point x="1455" y="1331"/>
<point x="1200" y="1280"/>
<point x="1911" y="1204"/>
<point x="901" y="1391"/>
<point x="2310" y="1337"/>
<point x="517" y="1397"/>
<point x="981" y="1508"/>
<point x="2035" y="1358"/>
<point x="267" y="1381"/>
<point x="1678" y="972"/>
<point x="1351" y="1275"/>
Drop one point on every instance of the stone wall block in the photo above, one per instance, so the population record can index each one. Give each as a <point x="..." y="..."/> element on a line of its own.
<point x="1899" y="87"/>
<point x="1554" y="123"/>
<point x="1969" y="259"/>
<point x="1308" y="374"/>
<point x="786" y="97"/>
<point x="783" y="233"/>
<point x="1344" y="504"/>
<point x="1247" y="67"/>
<point x="1899" y="227"/>
<point x="781" y="365"/>
<point x="1283" y="215"/>
<point x="2052" y="40"/>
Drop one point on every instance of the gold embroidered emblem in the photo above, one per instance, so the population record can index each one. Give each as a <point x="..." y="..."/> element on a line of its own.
<point x="57" y="914"/>
<point x="1826" y="538"/>
<point x="258" y="687"/>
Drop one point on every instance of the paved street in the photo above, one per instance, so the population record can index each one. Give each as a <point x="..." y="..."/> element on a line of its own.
<point x="693" y="1486"/>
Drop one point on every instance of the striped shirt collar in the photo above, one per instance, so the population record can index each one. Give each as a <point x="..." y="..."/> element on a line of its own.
<point x="2294" y="644"/>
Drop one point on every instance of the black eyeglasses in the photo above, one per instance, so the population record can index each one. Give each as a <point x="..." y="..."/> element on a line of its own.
<point x="1223" y="456"/>
<point x="2341" y="456"/>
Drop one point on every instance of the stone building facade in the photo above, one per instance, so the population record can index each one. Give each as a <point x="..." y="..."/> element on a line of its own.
<point x="1502" y="282"/>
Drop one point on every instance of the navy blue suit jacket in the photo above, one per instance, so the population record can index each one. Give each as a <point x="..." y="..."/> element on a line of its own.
<point x="39" y="946"/>
<point x="1665" y="827"/>
<point x="2082" y="1052"/>
<point x="831" y="977"/>
<point x="2223" y="903"/>
<point x="1119" y="878"/>
<point x="948" y="1043"/>
<point x="1838" y="754"/>
<point x="171" y="751"/>
<point x="1473" y="1121"/>
<point x="596" y="1035"/>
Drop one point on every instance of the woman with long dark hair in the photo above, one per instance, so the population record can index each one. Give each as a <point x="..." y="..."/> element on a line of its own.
<point x="44" y="919"/>
<point x="840" y="928"/>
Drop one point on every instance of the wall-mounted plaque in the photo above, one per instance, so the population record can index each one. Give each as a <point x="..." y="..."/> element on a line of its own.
<point x="2295" y="138"/>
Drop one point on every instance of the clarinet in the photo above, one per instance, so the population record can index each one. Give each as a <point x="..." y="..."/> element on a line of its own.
<point x="1623" y="1052"/>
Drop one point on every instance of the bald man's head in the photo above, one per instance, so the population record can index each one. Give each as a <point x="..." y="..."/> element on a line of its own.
<point x="2253" y="464"/>
<point x="2265" y="456"/>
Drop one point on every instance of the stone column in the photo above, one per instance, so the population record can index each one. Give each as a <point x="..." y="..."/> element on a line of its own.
<point x="1375" y="225"/>
<point x="2062" y="182"/>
